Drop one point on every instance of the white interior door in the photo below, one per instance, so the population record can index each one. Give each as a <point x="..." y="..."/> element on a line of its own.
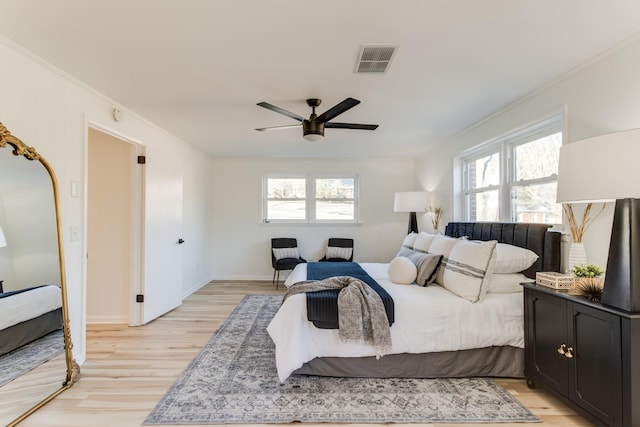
<point x="162" y="275"/>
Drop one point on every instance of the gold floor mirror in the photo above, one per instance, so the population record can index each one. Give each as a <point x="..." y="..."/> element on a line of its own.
<point x="36" y="363"/>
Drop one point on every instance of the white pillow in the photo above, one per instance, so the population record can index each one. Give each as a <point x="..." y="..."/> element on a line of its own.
<point x="402" y="270"/>
<point x="512" y="259"/>
<point x="409" y="240"/>
<point x="281" y="253"/>
<point x="465" y="273"/>
<point x="423" y="242"/>
<point x="506" y="283"/>
<point x="442" y="245"/>
<point x="336" y="252"/>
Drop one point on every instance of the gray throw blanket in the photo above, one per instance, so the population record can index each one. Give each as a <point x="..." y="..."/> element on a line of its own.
<point x="361" y="313"/>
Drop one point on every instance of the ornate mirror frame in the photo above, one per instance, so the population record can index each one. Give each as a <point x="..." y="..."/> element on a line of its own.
<point x="7" y="140"/>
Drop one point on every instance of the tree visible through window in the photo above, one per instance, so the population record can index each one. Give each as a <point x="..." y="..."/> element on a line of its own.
<point x="286" y="198"/>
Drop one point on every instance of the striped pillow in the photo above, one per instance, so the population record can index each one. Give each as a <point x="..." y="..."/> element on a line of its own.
<point x="426" y="264"/>
<point x="281" y="253"/>
<point x="337" y="252"/>
<point x="467" y="271"/>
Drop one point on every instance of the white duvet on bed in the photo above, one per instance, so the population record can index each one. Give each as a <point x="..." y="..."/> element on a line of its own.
<point x="427" y="319"/>
<point x="27" y="305"/>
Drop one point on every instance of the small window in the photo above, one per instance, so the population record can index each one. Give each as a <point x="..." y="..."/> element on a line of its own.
<point x="310" y="199"/>
<point x="335" y="199"/>
<point x="483" y="180"/>
<point x="286" y="198"/>
<point x="533" y="185"/>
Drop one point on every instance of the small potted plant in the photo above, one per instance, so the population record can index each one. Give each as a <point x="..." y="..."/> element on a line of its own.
<point x="589" y="283"/>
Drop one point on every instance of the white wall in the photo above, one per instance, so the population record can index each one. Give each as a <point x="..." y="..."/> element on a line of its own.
<point x="196" y="230"/>
<point x="602" y="96"/>
<point x="242" y="244"/>
<point x="52" y="112"/>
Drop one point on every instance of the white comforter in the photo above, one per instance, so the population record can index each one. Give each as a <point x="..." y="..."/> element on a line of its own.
<point x="27" y="305"/>
<point x="429" y="319"/>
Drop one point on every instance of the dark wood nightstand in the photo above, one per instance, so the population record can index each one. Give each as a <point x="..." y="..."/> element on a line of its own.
<point x="585" y="353"/>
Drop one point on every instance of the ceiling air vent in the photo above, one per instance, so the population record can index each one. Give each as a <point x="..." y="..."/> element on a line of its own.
<point x="375" y="58"/>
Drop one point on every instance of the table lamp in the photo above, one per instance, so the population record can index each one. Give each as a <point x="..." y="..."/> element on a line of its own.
<point x="606" y="168"/>
<point x="412" y="202"/>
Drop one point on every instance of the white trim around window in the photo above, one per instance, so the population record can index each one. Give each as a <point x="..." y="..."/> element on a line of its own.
<point x="310" y="199"/>
<point x="489" y="186"/>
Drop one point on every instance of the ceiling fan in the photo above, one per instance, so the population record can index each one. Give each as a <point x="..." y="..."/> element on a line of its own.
<point x="313" y="127"/>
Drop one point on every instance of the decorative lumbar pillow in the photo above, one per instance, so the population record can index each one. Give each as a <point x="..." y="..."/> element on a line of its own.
<point x="337" y="252"/>
<point x="402" y="270"/>
<point x="426" y="264"/>
<point x="423" y="242"/>
<point x="467" y="272"/>
<point x="442" y="245"/>
<point x="512" y="259"/>
<point x="506" y="283"/>
<point x="281" y="253"/>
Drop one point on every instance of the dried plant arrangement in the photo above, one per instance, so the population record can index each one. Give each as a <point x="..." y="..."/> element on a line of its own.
<point x="588" y="287"/>
<point x="578" y="229"/>
<point x="435" y="214"/>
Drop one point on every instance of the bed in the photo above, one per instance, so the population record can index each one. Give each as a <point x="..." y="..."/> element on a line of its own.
<point x="28" y="314"/>
<point x="436" y="332"/>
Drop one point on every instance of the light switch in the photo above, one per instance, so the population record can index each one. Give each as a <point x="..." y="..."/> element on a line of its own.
<point x="75" y="233"/>
<point x="74" y="189"/>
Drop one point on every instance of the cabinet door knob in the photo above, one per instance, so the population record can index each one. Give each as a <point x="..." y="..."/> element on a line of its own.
<point x="562" y="349"/>
<point x="569" y="353"/>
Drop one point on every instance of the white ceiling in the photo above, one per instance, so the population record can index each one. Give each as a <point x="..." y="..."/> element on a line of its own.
<point x="197" y="68"/>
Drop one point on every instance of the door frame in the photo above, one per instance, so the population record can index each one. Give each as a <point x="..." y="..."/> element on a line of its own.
<point x="137" y="192"/>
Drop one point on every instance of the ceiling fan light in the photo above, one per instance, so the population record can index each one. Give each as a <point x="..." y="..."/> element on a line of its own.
<point x="312" y="130"/>
<point x="313" y="137"/>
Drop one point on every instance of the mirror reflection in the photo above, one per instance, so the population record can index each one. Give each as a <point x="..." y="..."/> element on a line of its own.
<point x="33" y="361"/>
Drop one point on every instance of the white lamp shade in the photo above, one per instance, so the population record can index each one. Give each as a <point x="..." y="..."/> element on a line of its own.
<point x="598" y="169"/>
<point x="410" y="201"/>
<point x="3" y="241"/>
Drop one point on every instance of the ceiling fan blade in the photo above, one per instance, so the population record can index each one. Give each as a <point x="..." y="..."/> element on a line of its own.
<point x="337" y="109"/>
<point x="279" y="127"/>
<point x="280" y="110"/>
<point x="350" y="126"/>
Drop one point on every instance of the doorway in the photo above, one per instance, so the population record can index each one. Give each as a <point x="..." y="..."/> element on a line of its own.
<point x="113" y="204"/>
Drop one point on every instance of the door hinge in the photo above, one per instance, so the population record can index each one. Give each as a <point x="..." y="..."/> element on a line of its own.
<point x="139" y="298"/>
<point x="142" y="160"/>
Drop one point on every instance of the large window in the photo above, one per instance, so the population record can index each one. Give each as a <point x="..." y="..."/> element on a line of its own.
<point x="513" y="178"/>
<point x="306" y="198"/>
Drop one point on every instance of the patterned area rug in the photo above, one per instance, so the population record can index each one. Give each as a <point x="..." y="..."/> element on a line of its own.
<point x="233" y="380"/>
<point x="29" y="356"/>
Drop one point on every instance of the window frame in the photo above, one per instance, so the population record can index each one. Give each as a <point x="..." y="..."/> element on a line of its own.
<point x="310" y="198"/>
<point x="505" y="146"/>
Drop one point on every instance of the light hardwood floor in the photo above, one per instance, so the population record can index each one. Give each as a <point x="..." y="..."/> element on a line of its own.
<point x="128" y="369"/>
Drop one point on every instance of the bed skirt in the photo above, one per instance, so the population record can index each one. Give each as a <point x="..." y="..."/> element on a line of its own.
<point x="23" y="333"/>
<point x="504" y="361"/>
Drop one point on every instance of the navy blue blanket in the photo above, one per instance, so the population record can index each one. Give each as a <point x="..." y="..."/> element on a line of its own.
<point x="322" y="306"/>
